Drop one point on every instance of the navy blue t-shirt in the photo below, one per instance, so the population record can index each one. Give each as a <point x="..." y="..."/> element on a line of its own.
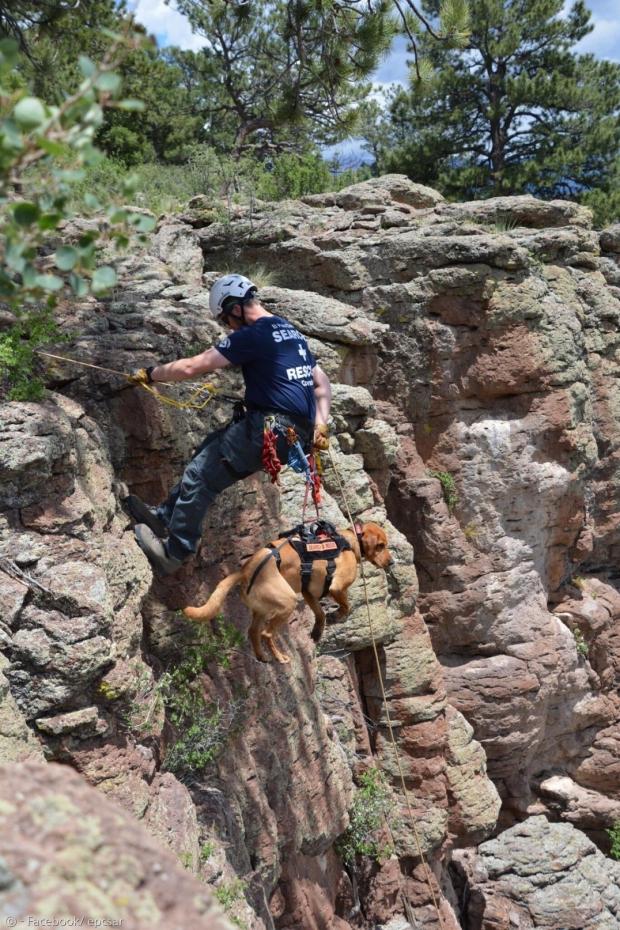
<point x="276" y="364"/>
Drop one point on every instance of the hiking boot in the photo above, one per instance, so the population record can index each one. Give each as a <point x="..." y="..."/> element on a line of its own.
<point x="155" y="551"/>
<point x="142" y="513"/>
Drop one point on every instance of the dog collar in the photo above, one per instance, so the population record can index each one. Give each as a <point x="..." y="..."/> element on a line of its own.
<point x="359" y="532"/>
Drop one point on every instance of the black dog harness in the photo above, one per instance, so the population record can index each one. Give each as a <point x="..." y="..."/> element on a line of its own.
<point x="320" y="541"/>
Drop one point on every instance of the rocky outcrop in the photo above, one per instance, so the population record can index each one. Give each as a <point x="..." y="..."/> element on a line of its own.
<point x="473" y="351"/>
<point x="67" y="854"/>
<point x="499" y="379"/>
<point x="539" y="874"/>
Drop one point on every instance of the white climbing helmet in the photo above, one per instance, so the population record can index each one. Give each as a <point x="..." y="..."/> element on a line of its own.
<point x="230" y="285"/>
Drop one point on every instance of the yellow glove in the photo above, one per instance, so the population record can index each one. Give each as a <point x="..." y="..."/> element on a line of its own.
<point x="321" y="437"/>
<point x="141" y="376"/>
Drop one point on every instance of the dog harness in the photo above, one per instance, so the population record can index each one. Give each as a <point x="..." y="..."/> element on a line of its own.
<point x="320" y="541"/>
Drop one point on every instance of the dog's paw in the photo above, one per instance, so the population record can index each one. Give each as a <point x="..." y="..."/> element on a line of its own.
<point x="316" y="633"/>
<point x="343" y="612"/>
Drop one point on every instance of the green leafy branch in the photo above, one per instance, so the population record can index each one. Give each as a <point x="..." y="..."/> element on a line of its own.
<point x="200" y="729"/>
<point x="614" y="836"/>
<point x="36" y="189"/>
<point x="371" y="806"/>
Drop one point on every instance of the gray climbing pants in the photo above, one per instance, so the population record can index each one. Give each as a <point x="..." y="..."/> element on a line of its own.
<point x="225" y="457"/>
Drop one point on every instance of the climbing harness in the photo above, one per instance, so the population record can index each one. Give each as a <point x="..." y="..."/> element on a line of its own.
<point x="274" y="553"/>
<point x="388" y="718"/>
<point x="192" y="403"/>
<point x="296" y="459"/>
<point x="320" y="541"/>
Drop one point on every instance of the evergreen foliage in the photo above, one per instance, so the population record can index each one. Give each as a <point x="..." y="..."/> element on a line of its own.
<point x="170" y="121"/>
<point x="18" y="18"/>
<point x="273" y="77"/>
<point x="281" y="73"/>
<point x="516" y="111"/>
<point x="278" y="75"/>
<point x="167" y="188"/>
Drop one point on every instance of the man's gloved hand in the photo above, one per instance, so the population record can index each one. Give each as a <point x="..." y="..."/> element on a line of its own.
<point x="141" y="376"/>
<point x="321" y="437"/>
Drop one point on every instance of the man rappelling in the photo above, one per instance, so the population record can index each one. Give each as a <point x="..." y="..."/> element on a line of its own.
<point x="287" y="401"/>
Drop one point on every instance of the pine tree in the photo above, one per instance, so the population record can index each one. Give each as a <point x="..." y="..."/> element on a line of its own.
<point x="19" y="18"/>
<point x="516" y="111"/>
<point x="170" y="121"/>
<point x="282" y="73"/>
<point x="284" y="69"/>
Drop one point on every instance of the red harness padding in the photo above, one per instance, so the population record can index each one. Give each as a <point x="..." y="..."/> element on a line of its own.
<point x="270" y="460"/>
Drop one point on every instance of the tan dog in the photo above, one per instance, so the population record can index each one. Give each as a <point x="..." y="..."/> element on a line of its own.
<point x="274" y="591"/>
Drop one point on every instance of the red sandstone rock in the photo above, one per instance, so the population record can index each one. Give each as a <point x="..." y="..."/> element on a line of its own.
<point x="69" y="853"/>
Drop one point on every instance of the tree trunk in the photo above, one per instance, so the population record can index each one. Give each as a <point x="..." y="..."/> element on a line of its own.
<point x="497" y="91"/>
<point x="245" y="131"/>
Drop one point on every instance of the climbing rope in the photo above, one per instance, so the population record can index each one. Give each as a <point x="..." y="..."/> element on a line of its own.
<point x="390" y="727"/>
<point x="190" y="404"/>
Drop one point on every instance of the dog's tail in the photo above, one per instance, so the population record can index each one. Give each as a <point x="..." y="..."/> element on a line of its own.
<point x="213" y="606"/>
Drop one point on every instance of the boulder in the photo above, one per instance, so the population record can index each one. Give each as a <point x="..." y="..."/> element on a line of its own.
<point x="378" y="192"/>
<point x="540" y="874"/>
<point x="177" y="246"/>
<point x="17" y="741"/>
<point x="520" y="210"/>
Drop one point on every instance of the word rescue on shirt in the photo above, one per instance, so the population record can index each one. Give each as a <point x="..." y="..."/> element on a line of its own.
<point x="302" y="373"/>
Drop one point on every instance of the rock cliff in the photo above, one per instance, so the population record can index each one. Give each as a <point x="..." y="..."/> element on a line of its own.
<point x="474" y="354"/>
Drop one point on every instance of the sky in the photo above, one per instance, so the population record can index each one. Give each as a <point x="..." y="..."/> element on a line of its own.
<point x="171" y="28"/>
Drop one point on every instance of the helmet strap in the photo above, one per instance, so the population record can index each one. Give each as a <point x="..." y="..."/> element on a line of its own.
<point x="227" y="315"/>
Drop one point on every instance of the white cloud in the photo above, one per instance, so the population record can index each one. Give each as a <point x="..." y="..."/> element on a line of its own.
<point x="169" y="26"/>
<point x="604" y="40"/>
<point x="393" y="68"/>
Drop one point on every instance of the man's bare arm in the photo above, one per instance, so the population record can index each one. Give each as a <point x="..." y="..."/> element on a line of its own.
<point x="185" y="369"/>
<point x="322" y="394"/>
